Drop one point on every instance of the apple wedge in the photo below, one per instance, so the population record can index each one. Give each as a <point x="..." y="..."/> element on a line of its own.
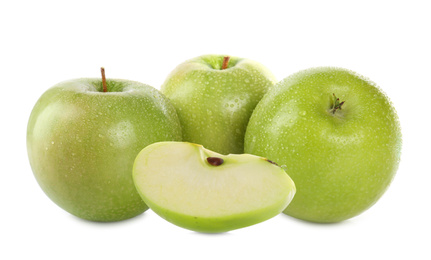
<point x="204" y="191"/>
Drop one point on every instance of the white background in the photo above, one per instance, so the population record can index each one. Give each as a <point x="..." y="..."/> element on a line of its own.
<point x="45" y="42"/>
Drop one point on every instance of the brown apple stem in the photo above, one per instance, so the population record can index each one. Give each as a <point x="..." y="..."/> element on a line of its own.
<point x="102" y="70"/>
<point x="215" y="161"/>
<point x="225" y="62"/>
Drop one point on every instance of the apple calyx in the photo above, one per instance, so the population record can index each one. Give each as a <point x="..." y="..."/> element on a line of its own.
<point x="225" y="62"/>
<point x="215" y="161"/>
<point x="336" y="105"/>
<point x="102" y="70"/>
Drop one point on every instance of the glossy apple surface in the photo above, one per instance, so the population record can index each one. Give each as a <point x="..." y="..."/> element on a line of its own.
<point x="214" y="103"/>
<point x="82" y="142"/>
<point x="341" y="160"/>
<point x="201" y="190"/>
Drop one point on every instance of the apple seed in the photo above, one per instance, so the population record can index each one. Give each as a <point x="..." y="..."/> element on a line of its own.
<point x="215" y="161"/>
<point x="271" y="162"/>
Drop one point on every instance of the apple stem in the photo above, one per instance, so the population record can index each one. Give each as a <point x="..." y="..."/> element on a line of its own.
<point x="215" y="161"/>
<point x="337" y="104"/>
<point x="102" y="70"/>
<point x="225" y="62"/>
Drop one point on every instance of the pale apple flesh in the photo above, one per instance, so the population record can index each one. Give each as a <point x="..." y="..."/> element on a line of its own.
<point x="204" y="191"/>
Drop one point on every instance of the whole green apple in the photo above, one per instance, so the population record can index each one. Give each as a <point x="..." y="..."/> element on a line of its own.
<point x="201" y="190"/>
<point x="82" y="143"/>
<point x="338" y="135"/>
<point x="214" y="96"/>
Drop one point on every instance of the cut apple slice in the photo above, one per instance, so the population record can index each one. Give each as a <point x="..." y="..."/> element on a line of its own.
<point x="204" y="191"/>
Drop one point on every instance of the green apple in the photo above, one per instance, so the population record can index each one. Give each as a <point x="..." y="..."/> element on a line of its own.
<point x="214" y="96"/>
<point x="82" y="143"/>
<point x="338" y="135"/>
<point x="205" y="191"/>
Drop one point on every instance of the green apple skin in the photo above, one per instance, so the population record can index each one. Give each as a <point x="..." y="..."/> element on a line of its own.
<point x="176" y="181"/>
<point x="341" y="162"/>
<point x="215" y="104"/>
<point x="82" y="142"/>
